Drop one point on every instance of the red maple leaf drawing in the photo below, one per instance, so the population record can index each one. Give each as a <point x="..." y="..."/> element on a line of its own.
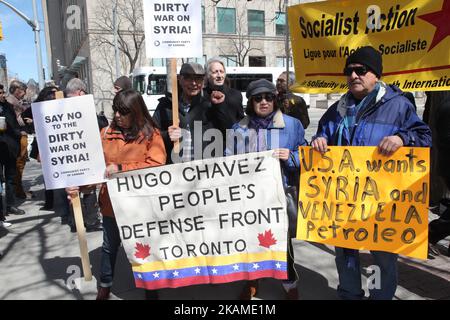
<point x="142" y="251"/>
<point x="267" y="240"/>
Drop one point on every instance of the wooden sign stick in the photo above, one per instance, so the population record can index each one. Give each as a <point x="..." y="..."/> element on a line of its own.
<point x="175" y="116"/>
<point x="81" y="231"/>
<point x="79" y="222"/>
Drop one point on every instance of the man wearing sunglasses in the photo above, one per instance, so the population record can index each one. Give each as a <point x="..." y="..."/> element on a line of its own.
<point x="371" y="113"/>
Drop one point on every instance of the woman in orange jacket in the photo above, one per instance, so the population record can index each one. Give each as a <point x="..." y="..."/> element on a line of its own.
<point x="132" y="141"/>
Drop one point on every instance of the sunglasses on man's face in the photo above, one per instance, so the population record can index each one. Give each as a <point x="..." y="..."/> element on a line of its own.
<point x="360" y="71"/>
<point x="268" y="97"/>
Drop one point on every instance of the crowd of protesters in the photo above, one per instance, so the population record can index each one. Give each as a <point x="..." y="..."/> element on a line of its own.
<point x="371" y="113"/>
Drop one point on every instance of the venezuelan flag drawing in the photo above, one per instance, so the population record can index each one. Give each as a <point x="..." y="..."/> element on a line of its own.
<point x="215" y="270"/>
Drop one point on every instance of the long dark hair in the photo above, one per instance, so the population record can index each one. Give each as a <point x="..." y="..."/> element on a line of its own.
<point x="131" y="102"/>
<point x="46" y="94"/>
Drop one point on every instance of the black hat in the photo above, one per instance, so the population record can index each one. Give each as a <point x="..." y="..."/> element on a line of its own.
<point x="369" y="57"/>
<point x="260" y="86"/>
<point x="123" y="83"/>
<point x="192" y="68"/>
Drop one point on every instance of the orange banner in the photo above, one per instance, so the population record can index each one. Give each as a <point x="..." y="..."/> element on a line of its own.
<point x="353" y="197"/>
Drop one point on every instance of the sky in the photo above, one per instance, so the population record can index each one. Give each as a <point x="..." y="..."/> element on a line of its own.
<point x="18" y="43"/>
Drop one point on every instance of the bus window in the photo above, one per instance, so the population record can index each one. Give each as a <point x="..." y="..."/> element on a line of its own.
<point x="139" y="84"/>
<point x="241" y="81"/>
<point x="156" y="84"/>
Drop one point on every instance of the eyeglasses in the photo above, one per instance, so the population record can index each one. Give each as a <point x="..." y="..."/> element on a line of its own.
<point x="122" y="111"/>
<point x="195" y="78"/>
<point x="268" y="97"/>
<point x="360" y="71"/>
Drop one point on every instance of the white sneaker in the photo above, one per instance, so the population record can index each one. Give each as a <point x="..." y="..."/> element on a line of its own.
<point x="5" y="224"/>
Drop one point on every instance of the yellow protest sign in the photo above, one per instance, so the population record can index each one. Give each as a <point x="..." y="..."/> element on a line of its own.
<point x="353" y="197"/>
<point x="411" y="35"/>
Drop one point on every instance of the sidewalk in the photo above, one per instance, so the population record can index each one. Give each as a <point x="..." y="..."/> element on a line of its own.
<point x="41" y="261"/>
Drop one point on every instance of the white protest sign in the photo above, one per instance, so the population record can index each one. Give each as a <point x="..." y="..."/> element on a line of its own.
<point x="173" y="29"/>
<point x="211" y="221"/>
<point x="69" y="142"/>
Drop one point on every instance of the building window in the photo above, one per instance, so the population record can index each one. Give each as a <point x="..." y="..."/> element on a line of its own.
<point x="256" y="26"/>
<point x="230" y="61"/>
<point x="280" y="24"/>
<point x="158" y="62"/>
<point x="257" y="61"/>
<point x="203" y="20"/>
<point x="201" y="60"/>
<point x="281" y="62"/>
<point x="226" y="20"/>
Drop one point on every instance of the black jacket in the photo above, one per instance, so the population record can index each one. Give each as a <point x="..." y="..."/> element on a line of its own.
<point x="297" y="107"/>
<point x="198" y="112"/>
<point x="10" y="138"/>
<point x="229" y="112"/>
<point x="28" y="128"/>
<point x="440" y="126"/>
<point x="209" y="116"/>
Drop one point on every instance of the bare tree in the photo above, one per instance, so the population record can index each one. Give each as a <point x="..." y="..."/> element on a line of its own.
<point x="131" y="34"/>
<point x="242" y="44"/>
<point x="130" y="38"/>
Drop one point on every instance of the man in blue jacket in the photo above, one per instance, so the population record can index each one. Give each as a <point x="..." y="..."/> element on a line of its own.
<point x="371" y="113"/>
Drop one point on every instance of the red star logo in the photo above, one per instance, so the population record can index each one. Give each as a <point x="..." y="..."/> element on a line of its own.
<point x="440" y="20"/>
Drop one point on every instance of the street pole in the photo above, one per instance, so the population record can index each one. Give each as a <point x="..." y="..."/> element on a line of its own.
<point x="288" y="55"/>
<point x="37" y="40"/>
<point x="116" y="48"/>
<point x="35" y="26"/>
<point x="47" y="40"/>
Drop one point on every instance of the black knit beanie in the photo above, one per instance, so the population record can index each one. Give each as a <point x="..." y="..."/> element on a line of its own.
<point x="124" y="83"/>
<point x="369" y="57"/>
